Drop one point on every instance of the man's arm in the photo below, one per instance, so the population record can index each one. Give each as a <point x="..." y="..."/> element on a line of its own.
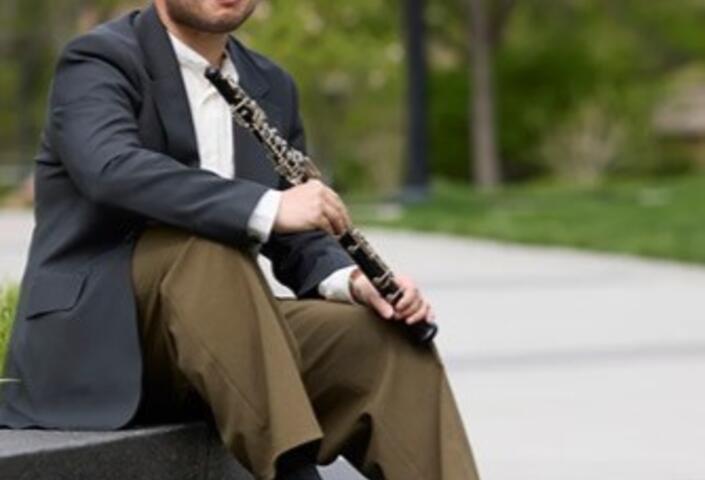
<point x="303" y="261"/>
<point x="94" y="130"/>
<point x="313" y="264"/>
<point x="335" y="286"/>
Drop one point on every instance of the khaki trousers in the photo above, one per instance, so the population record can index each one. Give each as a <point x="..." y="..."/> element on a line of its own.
<point x="273" y="374"/>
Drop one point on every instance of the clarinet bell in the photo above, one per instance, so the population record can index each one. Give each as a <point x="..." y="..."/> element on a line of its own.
<point x="422" y="332"/>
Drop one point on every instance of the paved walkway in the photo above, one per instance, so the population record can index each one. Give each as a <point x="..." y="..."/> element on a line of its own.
<point x="566" y="366"/>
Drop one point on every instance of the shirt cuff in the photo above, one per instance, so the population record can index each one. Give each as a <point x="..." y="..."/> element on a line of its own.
<point x="262" y="219"/>
<point x="336" y="285"/>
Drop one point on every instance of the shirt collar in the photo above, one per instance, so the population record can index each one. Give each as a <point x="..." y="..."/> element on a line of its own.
<point x="190" y="59"/>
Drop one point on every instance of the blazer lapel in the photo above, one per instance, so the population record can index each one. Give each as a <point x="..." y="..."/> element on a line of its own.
<point x="251" y="159"/>
<point x="171" y="101"/>
<point x="167" y="87"/>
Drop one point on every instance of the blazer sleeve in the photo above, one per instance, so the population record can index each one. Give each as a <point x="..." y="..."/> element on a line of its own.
<point x="93" y="127"/>
<point x="303" y="260"/>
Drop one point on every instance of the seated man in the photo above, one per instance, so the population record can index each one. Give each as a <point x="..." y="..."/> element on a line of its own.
<point x="142" y="299"/>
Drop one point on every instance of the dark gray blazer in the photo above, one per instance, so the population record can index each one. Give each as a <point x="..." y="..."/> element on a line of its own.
<point x="119" y="151"/>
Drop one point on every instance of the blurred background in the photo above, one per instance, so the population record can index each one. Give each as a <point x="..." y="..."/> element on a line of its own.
<point x="507" y="118"/>
<point x="556" y="123"/>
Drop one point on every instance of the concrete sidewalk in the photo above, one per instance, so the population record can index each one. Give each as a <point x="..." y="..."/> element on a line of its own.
<point x="566" y="365"/>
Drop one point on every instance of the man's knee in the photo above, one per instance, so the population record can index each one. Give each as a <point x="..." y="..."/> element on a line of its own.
<point x="376" y="345"/>
<point x="363" y="330"/>
<point x="168" y="234"/>
<point x="200" y="264"/>
<point x="217" y="252"/>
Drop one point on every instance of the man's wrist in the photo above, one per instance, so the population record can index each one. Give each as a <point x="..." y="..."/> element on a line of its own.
<point x="261" y="221"/>
<point x="336" y="286"/>
<point x="354" y="274"/>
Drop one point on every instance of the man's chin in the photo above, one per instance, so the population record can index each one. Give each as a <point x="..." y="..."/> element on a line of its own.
<point x="228" y="21"/>
<point x="210" y="16"/>
<point x="223" y="26"/>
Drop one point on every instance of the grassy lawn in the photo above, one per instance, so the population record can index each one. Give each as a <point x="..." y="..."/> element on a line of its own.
<point x="655" y="218"/>
<point x="8" y="300"/>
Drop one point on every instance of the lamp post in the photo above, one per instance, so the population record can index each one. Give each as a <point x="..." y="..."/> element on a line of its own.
<point x="416" y="181"/>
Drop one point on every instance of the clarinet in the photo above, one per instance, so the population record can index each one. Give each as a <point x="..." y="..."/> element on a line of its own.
<point x="297" y="168"/>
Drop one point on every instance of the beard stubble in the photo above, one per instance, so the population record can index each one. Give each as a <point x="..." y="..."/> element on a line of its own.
<point x="191" y="14"/>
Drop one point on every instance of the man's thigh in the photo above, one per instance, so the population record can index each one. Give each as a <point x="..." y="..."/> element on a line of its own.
<point x="167" y="395"/>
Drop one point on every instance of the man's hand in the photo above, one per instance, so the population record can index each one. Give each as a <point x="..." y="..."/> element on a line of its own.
<point x="311" y="206"/>
<point x="411" y="308"/>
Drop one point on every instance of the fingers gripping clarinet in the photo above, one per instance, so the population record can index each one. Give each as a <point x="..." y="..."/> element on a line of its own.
<point x="312" y="205"/>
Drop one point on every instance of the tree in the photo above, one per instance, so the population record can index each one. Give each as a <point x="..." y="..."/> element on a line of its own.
<point x="487" y="21"/>
<point x="417" y="176"/>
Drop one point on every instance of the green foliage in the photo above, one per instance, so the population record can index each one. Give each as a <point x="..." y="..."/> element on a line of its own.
<point x="555" y="63"/>
<point x="348" y="62"/>
<point x="8" y="304"/>
<point x="558" y="71"/>
<point x="560" y="67"/>
<point x="653" y="218"/>
<point x="448" y="126"/>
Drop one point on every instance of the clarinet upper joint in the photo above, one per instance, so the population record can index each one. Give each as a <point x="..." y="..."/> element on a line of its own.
<point x="297" y="168"/>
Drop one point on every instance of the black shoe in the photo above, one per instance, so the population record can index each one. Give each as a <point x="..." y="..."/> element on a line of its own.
<point x="301" y="472"/>
<point x="298" y="464"/>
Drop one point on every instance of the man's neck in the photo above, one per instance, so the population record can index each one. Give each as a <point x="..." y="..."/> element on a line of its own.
<point x="210" y="45"/>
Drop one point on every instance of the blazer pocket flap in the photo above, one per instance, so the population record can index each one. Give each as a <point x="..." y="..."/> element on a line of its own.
<point x="52" y="291"/>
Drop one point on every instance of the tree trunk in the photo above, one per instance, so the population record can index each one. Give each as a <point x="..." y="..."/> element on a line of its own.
<point x="416" y="185"/>
<point x="486" y="166"/>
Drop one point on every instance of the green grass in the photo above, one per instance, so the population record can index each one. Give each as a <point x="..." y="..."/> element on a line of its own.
<point x="8" y="302"/>
<point x="655" y="218"/>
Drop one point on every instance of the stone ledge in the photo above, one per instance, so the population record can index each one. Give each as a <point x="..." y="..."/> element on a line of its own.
<point x="178" y="451"/>
<point x="186" y="451"/>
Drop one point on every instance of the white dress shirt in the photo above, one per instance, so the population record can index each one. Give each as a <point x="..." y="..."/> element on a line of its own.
<point x="212" y="122"/>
